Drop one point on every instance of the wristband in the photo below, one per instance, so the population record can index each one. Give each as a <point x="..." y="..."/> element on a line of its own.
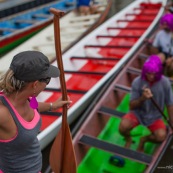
<point x="50" y="109"/>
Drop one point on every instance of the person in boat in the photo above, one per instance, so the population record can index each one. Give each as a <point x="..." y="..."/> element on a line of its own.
<point x="20" y="121"/>
<point x="86" y="7"/>
<point x="162" y="44"/>
<point x="151" y="83"/>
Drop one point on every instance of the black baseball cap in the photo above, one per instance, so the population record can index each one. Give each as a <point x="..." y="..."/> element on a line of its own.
<point x="31" y="66"/>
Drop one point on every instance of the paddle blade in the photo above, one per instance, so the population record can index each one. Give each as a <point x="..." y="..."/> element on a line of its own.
<point x="67" y="164"/>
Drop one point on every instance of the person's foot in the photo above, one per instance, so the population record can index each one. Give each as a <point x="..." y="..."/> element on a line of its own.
<point x="128" y="142"/>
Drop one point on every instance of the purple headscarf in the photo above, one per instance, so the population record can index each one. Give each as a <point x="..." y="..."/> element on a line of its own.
<point x="153" y="65"/>
<point x="167" y="19"/>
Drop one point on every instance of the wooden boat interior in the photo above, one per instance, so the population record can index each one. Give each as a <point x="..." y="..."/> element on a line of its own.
<point x="94" y="134"/>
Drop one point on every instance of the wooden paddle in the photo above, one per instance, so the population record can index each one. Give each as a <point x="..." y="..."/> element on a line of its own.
<point x="62" y="157"/>
<point x="157" y="106"/>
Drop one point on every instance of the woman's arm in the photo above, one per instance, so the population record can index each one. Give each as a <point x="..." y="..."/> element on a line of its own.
<point x="46" y="106"/>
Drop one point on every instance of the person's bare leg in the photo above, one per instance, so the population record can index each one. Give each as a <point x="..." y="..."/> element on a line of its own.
<point x="157" y="137"/>
<point x="124" y="129"/>
<point x="169" y="67"/>
<point x="84" y="10"/>
<point x="128" y="141"/>
<point x="93" y="9"/>
<point x="162" y="57"/>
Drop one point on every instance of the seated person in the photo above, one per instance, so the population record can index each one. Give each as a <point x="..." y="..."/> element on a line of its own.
<point x="86" y="7"/>
<point x="163" y="43"/>
<point x="151" y="83"/>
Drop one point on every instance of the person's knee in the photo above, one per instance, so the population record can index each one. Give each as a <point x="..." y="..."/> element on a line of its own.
<point x="160" y="135"/>
<point x="125" y="126"/>
<point x="84" y="10"/>
<point x="162" y="57"/>
<point x="169" y="68"/>
<point x="93" y="9"/>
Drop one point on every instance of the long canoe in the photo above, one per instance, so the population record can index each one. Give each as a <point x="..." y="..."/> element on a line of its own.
<point x="10" y="7"/>
<point x="17" y="28"/>
<point x="73" y="27"/>
<point x="93" y="60"/>
<point x="99" y="146"/>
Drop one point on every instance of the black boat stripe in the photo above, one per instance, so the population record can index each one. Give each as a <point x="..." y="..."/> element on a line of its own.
<point x="118" y="36"/>
<point x="108" y="46"/>
<point x="108" y="111"/>
<point x="95" y="58"/>
<point x="115" y="149"/>
<point x="85" y="72"/>
<point x="136" y="20"/>
<point x="127" y="28"/>
<point x="51" y="113"/>
<point x="122" y="88"/>
<point x="68" y="90"/>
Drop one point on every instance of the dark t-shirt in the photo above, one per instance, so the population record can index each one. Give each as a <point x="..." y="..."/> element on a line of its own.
<point x="147" y="113"/>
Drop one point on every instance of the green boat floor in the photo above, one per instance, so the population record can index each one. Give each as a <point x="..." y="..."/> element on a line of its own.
<point x="97" y="161"/>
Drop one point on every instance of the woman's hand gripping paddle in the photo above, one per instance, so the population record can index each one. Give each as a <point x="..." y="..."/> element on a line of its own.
<point x="62" y="157"/>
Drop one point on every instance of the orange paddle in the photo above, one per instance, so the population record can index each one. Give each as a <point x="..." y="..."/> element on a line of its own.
<point x="62" y="157"/>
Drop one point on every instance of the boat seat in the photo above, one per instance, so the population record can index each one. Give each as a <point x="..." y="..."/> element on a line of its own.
<point x="41" y="15"/>
<point x="115" y="149"/>
<point x="134" y="70"/>
<point x="135" y="14"/>
<point x="95" y="58"/>
<point x="68" y="90"/>
<point x="71" y="32"/>
<point x="85" y="72"/>
<point x="24" y="21"/>
<point x="141" y="20"/>
<point x="111" y="112"/>
<point x="143" y="56"/>
<point x="118" y="36"/>
<point x="108" y="46"/>
<point x="127" y="28"/>
<point x="123" y="88"/>
<point x="81" y="18"/>
<point x="58" y="114"/>
<point x="78" y="24"/>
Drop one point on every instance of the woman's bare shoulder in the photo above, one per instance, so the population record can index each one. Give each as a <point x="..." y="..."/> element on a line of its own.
<point x="4" y="113"/>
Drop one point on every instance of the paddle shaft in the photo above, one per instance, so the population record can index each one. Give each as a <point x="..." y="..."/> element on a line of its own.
<point x="57" y="15"/>
<point x="157" y="106"/>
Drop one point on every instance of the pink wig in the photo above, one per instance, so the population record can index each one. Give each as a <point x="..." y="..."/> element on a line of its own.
<point x="153" y="65"/>
<point x="167" y="19"/>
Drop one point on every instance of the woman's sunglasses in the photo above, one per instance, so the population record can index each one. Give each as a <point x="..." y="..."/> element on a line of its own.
<point x="45" y="80"/>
